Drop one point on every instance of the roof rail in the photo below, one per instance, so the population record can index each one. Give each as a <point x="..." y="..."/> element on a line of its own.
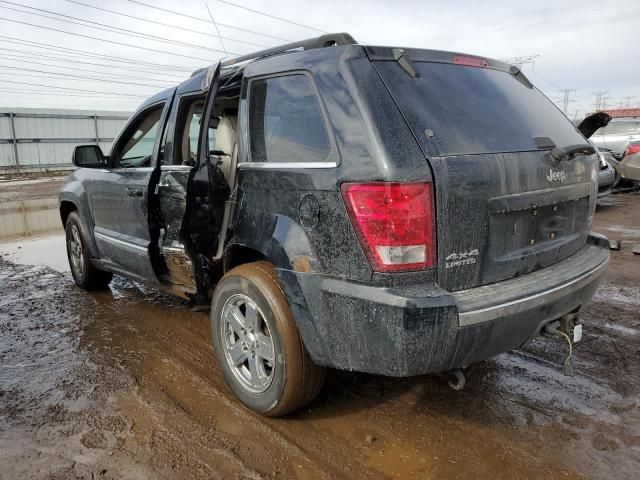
<point x="328" y="40"/>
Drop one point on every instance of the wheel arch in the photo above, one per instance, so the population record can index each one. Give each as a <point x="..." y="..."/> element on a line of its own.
<point x="238" y="254"/>
<point x="66" y="207"/>
<point x="69" y="204"/>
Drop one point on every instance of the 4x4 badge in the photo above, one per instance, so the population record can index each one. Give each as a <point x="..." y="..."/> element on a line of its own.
<point x="462" y="258"/>
<point x="556" y="175"/>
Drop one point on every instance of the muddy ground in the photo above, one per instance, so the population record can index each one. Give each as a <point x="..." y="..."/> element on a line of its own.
<point x="124" y="384"/>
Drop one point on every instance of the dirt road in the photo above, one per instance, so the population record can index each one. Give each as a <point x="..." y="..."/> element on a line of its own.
<point x="124" y="384"/>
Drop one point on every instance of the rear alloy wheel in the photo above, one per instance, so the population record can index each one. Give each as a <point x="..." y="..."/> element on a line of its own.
<point x="247" y="343"/>
<point x="257" y="343"/>
<point x="84" y="273"/>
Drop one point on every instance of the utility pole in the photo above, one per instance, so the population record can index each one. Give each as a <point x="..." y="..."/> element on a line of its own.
<point x="575" y="114"/>
<point x="601" y="99"/>
<point x="567" y="99"/>
<point x="627" y="101"/>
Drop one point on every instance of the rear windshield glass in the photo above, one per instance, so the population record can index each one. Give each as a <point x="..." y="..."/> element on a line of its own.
<point x="458" y="110"/>
<point x="618" y="127"/>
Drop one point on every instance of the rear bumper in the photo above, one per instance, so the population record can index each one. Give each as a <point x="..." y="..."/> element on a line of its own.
<point x="412" y="330"/>
<point x="629" y="167"/>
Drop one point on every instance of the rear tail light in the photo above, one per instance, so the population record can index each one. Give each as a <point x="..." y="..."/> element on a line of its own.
<point x="632" y="148"/>
<point x="394" y="223"/>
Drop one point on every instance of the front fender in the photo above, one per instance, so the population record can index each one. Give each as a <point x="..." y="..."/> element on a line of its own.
<point x="74" y="193"/>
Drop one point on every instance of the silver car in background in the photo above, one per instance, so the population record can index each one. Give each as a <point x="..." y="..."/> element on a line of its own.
<point x="629" y="165"/>
<point x="617" y="135"/>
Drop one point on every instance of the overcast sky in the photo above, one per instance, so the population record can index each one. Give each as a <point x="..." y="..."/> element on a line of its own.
<point x="584" y="45"/>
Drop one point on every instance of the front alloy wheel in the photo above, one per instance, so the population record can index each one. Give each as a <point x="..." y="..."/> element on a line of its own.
<point x="84" y="273"/>
<point x="76" y="253"/>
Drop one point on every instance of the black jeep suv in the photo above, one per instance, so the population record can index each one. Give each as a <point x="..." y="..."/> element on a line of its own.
<point x="385" y="210"/>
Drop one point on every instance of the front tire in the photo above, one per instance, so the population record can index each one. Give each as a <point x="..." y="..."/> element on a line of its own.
<point x="84" y="273"/>
<point x="257" y="344"/>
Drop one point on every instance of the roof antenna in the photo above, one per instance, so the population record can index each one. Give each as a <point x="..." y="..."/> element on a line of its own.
<point x="226" y="54"/>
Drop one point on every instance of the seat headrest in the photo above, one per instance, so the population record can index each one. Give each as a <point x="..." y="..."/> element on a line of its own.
<point x="226" y="135"/>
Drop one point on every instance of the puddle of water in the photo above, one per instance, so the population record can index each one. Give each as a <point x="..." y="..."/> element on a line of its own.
<point x="23" y="226"/>
<point x="24" y="218"/>
<point x="50" y="251"/>
<point x="610" y="293"/>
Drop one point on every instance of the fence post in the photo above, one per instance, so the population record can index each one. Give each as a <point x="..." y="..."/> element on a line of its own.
<point x="95" y="127"/>
<point x="14" y="141"/>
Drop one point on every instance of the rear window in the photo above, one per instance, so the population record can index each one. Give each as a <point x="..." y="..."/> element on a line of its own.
<point x="618" y="127"/>
<point x="460" y="110"/>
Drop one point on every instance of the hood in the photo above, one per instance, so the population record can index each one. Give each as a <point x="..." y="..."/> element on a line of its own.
<point x="592" y="123"/>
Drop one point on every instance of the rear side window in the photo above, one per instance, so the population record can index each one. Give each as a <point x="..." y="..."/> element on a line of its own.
<point x="285" y="121"/>
<point x="460" y="110"/>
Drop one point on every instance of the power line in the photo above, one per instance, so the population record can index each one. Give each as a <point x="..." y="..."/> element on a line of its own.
<point x="109" y="28"/>
<point x="215" y="25"/>
<point x="266" y="15"/>
<point x="546" y="80"/>
<point x="75" y="68"/>
<point x="59" y="94"/>
<point x="37" y="77"/>
<point x="191" y="30"/>
<point x="56" y="48"/>
<point x="208" y="60"/>
<point x="520" y="61"/>
<point x="69" y="88"/>
<point x="75" y="61"/>
<point x="173" y="12"/>
<point x="82" y="77"/>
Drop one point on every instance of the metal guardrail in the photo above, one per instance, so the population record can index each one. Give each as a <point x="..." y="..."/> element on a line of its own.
<point x="14" y="140"/>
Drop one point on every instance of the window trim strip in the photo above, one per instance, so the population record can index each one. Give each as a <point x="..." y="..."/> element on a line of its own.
<point x="285" y="165"/>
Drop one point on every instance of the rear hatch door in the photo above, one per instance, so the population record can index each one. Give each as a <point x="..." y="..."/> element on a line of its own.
<point x="505" y="205"/>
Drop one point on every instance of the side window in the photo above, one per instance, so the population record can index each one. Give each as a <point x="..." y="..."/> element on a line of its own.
<point x="136" y="149"/>
<point x="285" y="121"/>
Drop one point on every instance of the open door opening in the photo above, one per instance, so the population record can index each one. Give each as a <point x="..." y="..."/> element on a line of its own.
<point x="194" y="189"/>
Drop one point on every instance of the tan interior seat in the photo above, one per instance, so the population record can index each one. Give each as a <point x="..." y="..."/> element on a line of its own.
<point x="226" y="142"/>
<point x="188" y="156"/>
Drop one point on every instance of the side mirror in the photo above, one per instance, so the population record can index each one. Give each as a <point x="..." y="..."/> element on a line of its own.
<point x="88" y="156"/>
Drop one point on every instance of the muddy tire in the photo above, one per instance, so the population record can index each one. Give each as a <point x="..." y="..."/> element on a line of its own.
<point x="257" y="343"/>
<point x="84" y="273"/>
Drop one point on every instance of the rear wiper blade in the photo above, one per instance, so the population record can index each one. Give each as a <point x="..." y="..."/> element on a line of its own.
<point x="570" y="151"/>
<point x="405" y="62"/>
